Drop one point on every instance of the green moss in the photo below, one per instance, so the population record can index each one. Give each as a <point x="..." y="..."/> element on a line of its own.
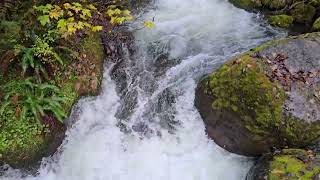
<point x="289" y="165"/>
<point x="303" y="13"/>
<point x="315" y="3"/>
<point x="67" y="88"/>
<point x="21" y="142"/>
<point x="283" y="21"/>
<point x="241" y="86"/>
<point x="92" y="46"/>
<point x="316" y="25"/>
<point x="297" y="133"/>
<point x="274" y="4"/>
<point x="244" y="4"/>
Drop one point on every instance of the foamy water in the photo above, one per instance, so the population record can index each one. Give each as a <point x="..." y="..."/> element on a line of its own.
<point x="195" y="36"/>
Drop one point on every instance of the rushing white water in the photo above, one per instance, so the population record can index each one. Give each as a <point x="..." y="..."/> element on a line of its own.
<point x="196" y="36"/>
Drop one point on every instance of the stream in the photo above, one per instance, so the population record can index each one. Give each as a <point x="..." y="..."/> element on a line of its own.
<point x="144" y="125"/>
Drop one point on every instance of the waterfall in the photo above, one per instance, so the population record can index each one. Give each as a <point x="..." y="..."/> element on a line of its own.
<point x="149" y="129"/>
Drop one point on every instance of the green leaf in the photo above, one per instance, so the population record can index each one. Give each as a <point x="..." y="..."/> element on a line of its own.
<point x="45" y="19"/>
<point x="62" y="23"/>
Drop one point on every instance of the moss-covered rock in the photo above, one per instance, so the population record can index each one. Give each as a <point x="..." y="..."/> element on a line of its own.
<point x="274" y="4"/>
<point x="265" y="98"/>
<point x="281" y="12"/>
<point x="283" y="21"/>
<point x="288" y="164"/>
<point x="316" y="25"/>
<point x="244" y="4"/>
<point x="303" y="13"/>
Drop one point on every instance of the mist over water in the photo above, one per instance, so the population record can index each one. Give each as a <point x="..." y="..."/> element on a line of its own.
<point x="164" y="136"/>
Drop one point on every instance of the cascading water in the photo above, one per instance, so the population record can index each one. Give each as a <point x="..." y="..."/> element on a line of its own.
<point x="149" y="129"/>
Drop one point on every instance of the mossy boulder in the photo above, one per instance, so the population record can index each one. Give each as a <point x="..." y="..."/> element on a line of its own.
<point x="265" y="98"/>
<point x="288" y="164"/>
<point x="244" y="4"/>
<point x="316" y="25"/>
<point x="283" y="21"/>
<point x="303" y="13"/>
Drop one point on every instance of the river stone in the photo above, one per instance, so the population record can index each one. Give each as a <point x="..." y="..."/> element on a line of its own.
<point x="287" y="164"/>
<point x="266" y="98"/>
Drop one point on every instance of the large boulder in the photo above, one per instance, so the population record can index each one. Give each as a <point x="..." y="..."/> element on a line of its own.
<point x="287" y="164"/>
<point x="266" y="98"/>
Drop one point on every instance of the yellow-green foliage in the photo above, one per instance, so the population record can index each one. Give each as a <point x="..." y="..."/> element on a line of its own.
<point x="290" y="166"/>
<point x="241" y="86"/>
<point x="20" y="141"/>
<point x="69" y="17"/>
<point x="72" y="17"/>
<point x="118" y="16"/>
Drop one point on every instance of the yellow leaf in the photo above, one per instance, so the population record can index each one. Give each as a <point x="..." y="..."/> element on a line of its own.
<point x="110" y="12"/>
<point x="92" y="7"/>
<point x="72" y="27"/>
<point x="149" y="24"/>
<point x="117" y="11"/>
<point x="86" y="13"/>
<point x="80" y="25"/>
<point x="56" y="13"/>
<point x="70" y="13"/>
<point x="96" y="28"/>
<point x="87" y="25"/>
<point x="67" y="5"/>
<point x="71" y="19"/>
<point x="126" y="12"/>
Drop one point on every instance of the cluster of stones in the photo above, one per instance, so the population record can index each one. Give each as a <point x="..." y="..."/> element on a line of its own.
<point x="285" y="13"/>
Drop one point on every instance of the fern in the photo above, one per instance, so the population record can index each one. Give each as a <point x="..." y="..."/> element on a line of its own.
<point x="37" y="56"/>
<point x="32" y="99"/>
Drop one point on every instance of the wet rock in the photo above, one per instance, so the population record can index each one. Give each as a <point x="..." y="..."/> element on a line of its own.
<point x="287" y="164"/>
<point x="303" y="12"/>
<point x="316" y="25"/>
<point x="266" y="98"/>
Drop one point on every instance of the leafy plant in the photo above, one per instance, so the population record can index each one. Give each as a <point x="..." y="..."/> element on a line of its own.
<point x="117" y="16"/>
<point x="69" y="17"/>
<point x="29" y="99"/>
<point x="38" y="55"/>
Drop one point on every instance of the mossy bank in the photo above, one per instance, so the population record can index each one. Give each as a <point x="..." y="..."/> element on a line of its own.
<point x="23" y="143"/>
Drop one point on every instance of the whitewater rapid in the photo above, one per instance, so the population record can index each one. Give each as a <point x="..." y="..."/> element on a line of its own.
<point x="194" y="37"/>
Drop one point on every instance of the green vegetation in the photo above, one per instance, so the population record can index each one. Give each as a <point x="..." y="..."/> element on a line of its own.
<point x="31" y="100"/>
<point x="50" y="54"/>
<point x="283" y="21"/>
<point x="294" y="164"/>
<point x="316" y="25"/>
<point x="252" y="95"/>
